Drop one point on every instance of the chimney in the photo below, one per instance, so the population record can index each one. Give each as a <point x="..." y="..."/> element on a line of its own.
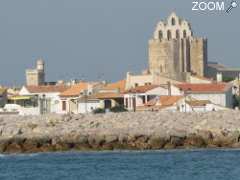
<point x="219" y="77"/>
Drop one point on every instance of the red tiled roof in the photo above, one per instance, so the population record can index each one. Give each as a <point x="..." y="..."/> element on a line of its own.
<point x="106" y="96"/>
<point x="75" y="90"/>
<point x="141" y="89"/>
<point x="198" y="103"/>
<point x="46" y="89"/>
<point x="117" y="85"/>
<point x="214" y="87"/>
<point x="164" y="100"/>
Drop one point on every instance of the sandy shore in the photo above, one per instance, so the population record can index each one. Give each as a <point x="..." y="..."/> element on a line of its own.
<point x="138" y="131"/>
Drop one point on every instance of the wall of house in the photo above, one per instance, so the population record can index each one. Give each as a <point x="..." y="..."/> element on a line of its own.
<point x="89" y="106"/>
<point x="219" y="99"/>
<point x="160" y="91"/>
<point x="139" y="80"/>
<point x="196" y="80"/>
<point x="23" y="111"/>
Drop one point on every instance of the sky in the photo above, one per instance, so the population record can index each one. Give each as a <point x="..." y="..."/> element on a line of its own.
<point x="97" y="40"/>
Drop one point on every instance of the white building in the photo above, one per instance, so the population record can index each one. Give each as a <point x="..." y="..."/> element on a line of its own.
<point x="197" y="97"/>
<point x="137" y="97"/>
<point x="218" y="93"/>
<point x="48" y="97"/>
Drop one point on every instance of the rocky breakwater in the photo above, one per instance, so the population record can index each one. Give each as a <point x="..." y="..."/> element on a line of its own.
<point x="132" y="131"/>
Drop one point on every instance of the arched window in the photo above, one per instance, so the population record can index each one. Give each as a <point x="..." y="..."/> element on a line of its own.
<point x="184" y="34"/>
<point x="173" y="21"/>
<point x="177" y="34"/>
<point x="161" y="69"/>
<point x="160" y="34"/>
<point x="169" y="35"/>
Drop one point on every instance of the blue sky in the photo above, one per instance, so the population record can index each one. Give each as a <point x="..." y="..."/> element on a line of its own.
<point x="89" y="38"/>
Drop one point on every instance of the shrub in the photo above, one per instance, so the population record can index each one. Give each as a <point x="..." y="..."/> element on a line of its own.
<point x="98" y="111"/>
<point x="118" y="109"/>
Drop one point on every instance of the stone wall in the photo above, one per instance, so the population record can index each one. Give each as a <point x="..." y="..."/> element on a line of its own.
<point x="198" y="56"/>
<point x="141" y="130"/>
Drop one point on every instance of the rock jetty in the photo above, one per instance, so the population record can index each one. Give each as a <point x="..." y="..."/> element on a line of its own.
<point x="113" y="131"/>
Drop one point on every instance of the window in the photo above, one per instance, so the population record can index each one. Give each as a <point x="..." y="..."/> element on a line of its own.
<point x="144" y="100"/>
<point x="184" y="34"/>
<point x="136" y="84"/>
<point x="169" y="35"/>
<point x="161" y="69"/>
<point x="160" y="34"/>
<point x="64" y="105"/>
<point x="177" y="34"/>
<point x="173" y="21"/>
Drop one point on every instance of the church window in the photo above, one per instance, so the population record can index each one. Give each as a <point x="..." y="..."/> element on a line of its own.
<point x="184" y="34"/>
<point x="169" y="35"/>
<point x="161" y="69"/>
<point x="160" y="34"/>
<point x="173" y="21"/>
<point x="177" y="34"/>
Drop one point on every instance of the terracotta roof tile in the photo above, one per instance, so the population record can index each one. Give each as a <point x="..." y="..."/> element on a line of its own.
<point x="46" y="89"/>
<point x="198" y="102"/>
<point x="105" y="96"/>
<point x="164" y="101"/>
<point x="214" y="87"/>
<point x="117" y="85"/>
<point x="141" y="89"/>
<point x="75" y="90"/>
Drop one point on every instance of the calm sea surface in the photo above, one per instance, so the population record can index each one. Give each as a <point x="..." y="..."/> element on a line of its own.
<point x="166" y="165"/>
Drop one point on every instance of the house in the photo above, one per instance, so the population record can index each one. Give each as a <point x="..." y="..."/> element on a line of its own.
<point x="181" y="104"/>
<point x="47" y="96"/>
<point x="104" y="101"/>
<point x="85" y="97"/>
<point x="218" y="93"/>
<point x="111" y="95"/>
<point x="3" y="97"/>
<point x="145" y="79"/>
<point x="75" y="99"/>
<point x="141" y="95"/>
<point x="169" y="103"/>
<point x="194" y="105"/>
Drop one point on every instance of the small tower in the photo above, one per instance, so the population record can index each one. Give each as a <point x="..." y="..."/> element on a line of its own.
<point x="36" y="77"/>
<point x="40" y="65"/>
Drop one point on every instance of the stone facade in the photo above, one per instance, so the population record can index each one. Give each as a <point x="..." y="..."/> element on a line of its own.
<point x="174" y="52"/>
<point x="36" y="77"/>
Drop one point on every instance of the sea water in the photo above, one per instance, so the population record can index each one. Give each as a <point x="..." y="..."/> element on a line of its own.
<point x="126" y="165"/>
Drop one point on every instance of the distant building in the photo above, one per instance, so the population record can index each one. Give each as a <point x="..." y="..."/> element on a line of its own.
<point x="70" y="98"/>
<point x="214" y="68"/>
<point x="174" y="52"/>
<point x="36" y="77"/>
